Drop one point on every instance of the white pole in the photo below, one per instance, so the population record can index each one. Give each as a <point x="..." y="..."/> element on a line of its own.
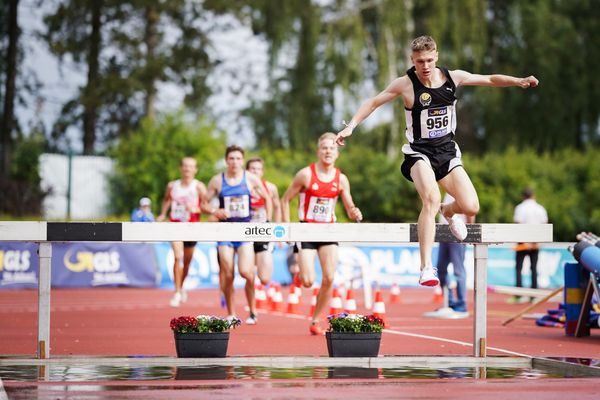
<point x="45" y="256"/>
<point x="480" y="296"/>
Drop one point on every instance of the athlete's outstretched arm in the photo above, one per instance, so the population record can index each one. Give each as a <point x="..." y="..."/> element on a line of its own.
<point x="352" y="211"/>
<point x="464" y="78"/>
<point x="394" y="89"/>
<point x="298" y="183"/>
<point x="260" y="190"/>
<point x="166" y="203"/>
<point x="214" y="187"/>
<point x="201" y="195"/>
<point x="276" y="203"/>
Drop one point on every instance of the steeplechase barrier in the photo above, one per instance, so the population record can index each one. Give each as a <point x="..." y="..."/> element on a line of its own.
<point x="480" y="235"/>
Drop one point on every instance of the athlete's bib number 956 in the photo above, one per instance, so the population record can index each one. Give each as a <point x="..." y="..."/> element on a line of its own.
<point x="437" y="122"/>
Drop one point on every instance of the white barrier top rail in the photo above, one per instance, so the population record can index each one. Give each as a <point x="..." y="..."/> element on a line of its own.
<point x="42" y="231"/>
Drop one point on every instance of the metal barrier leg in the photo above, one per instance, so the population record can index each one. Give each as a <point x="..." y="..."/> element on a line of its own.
<point x="480" y="321"/>
<point x="367" y="281"/>
<point x="45" y="256"/>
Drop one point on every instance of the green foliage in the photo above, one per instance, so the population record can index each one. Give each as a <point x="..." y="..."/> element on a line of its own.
<point x="565" y="182"/>
<point x="21" y="191"/>
<point x="378" y="187"/>
<point x="25" y="159"/>
<point x="149" y="158"/>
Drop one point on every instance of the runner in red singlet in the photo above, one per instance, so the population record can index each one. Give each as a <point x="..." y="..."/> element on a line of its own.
<point x="318" y="187"/>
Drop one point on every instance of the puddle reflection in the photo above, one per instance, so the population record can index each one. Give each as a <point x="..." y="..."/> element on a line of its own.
<point x="75" y="373"/>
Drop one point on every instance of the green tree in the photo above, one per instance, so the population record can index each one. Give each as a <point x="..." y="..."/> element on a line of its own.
<point x="150" y="156"/>
<point x="75" y="29"/>
<point x="126" y="51"/>
<point x="8" y="14"/>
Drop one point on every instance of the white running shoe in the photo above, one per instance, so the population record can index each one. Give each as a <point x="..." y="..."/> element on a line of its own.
<point x="252" y="319"/>
<point x="184" y="296"/>
<point x="176" y="300"/>
<point x="446" y="313"/>
<point x="429" y="276"/>
<point x="458" y="228"/>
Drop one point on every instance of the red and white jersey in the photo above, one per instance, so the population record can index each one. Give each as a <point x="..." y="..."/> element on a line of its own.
<point x="317" y="202"/>
<point x="258" y="211"/>
<point x="183" y="198"/>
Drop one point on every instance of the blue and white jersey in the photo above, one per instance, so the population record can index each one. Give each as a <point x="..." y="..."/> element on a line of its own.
<point x="235" y="199"/>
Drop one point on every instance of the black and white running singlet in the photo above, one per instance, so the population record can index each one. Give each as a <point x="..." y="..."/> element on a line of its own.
<point x="432" y="118"/>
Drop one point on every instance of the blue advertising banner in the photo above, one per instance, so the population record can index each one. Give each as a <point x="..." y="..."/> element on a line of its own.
<point x="204" y="268"/>
<point x="400" y="264"/>
<point x="151" y="265"/>
<point x="384" y="265"/>
<point x="103" y="264"/>
<point x="18" y="265"/>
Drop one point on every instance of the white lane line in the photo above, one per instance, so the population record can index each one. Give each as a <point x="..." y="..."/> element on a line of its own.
<point x="400" y="333"/>
<point x="439" y="339"/>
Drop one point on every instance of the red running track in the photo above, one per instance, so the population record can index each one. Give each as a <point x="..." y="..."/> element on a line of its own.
<point x="125" y="321"/>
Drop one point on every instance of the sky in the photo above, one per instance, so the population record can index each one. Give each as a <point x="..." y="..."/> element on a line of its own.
<point x="244" y="60"/>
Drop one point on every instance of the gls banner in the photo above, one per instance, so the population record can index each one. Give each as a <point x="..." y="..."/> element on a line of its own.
<point x="18" y="265"/>
<point x="103" y="264"/>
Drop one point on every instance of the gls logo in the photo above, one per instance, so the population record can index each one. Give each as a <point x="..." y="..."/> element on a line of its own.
<point x="278" y="231"/>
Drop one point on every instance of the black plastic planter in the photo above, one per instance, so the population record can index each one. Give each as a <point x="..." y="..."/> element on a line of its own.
<point x="191" y="345"/>
<point x="350" y="344"/>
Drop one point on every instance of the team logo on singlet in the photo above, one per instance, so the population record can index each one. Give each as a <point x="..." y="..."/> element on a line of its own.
<point x="425" y="99"/>
<point x="315" y="186"/>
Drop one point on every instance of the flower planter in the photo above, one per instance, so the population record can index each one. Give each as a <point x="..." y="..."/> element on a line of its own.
<point x="351" y="344"/>
<point x="204" y="345"/>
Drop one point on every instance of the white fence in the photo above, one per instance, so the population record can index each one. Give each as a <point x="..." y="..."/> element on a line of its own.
<point x="89" y="192"/>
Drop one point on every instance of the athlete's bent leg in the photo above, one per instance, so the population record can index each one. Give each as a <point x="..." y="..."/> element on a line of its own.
<point x="427" y="188"/>
<point x="306" y="261"/>
<point x="328" y="256"/>
<point x="226" y="271"/>
<point x="246" y="269"/>
<point x="264" y="266"/>
<point x="458" y="184"/>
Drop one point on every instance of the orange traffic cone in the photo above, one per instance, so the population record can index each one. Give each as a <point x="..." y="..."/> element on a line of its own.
<point x="395" y="294"/>
<point x="438" y="295"/>
<point x="261" y="297"/>
<point x="335" y="305"/>
<point x="379" y="307"/>
<point x="277" y="303"/>
<point x="293" y="302"/>
<point x="350" y="302"/>
<point x="313" y="301"/>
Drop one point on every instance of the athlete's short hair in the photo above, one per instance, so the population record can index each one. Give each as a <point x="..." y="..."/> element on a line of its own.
<point x="423" y="43"/>
<point x="253" y="160"/>
<point x="184" y="159"/>
<point x="232" y="148"/>
<point x="326" y="136"/>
